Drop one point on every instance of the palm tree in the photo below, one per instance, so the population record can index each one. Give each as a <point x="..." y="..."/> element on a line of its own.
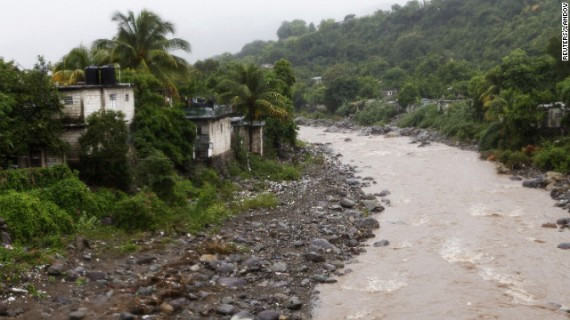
<point x="250" y="93"/>
<point x="69" y="70"/>
<point x="141" y="43"/>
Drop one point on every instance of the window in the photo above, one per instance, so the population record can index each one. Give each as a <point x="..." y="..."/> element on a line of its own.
<point x="127" y="97"/>
<point x="113" y="98"/>
<point x="68" y="100"/>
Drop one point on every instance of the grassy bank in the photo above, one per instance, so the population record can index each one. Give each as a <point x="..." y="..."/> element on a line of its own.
<point x="45" y="209"/>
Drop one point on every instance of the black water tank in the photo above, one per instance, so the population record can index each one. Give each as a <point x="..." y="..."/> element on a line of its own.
<point x="92" y="75"/>
<point x="108" y="75"/>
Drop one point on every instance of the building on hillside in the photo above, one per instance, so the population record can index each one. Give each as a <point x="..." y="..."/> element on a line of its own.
<point x="99" y="92"/>
<point x="213" y="128"/>
<point x="241" y="128"/>
<point x="553" y="115"/>
<point x="390" y="94"/>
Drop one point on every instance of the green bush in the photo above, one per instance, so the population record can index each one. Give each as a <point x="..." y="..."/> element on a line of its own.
<point x="491" y="138"/>
<point x="376" y="112"/>
<point x="30" y="218"/>
<point x="261" y="201"/>
<point x="71" y="195"/>
<point x="554" y="156"/>
<point x="156" y="172"/>
<point x="30" y="178"/>
<point x="516" y="160"/>
<point x="142" y="211"/>
<point x="273" y="170"/>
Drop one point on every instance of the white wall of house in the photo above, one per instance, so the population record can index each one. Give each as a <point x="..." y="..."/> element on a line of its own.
<point x="91" y="100"/>
<point x="220" y="132"/>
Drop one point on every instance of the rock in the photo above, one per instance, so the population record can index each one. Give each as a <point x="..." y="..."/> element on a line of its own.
<point x="253" y="264"/>
<point x="553" y="177"/>
<point x="166" y="308"/>
<point x="373" y="206"/>
<point x="231" y="282"/>
<point x="502" y="169"/>
<point x="314" y="257"/>
<point x="127" y="316"/>
<point x="81" y="243"/>
<point x="226" y="309"/>
<point x="369" y="196"/>
<point x="268" y="315"/>
<point x="3" y="309"/>
<point x="367" y="223"/>
<point x="294" y="303"/>
<point x="563" y="222"/>
<point x="321" y="278"/>
<point x="382" y="243"/>
<point x="535" y="183"/>
<point x="56" y="269"/>
<point x="352" y="182"/>
<point x="333" y="129"/>
<point x="243" y="315"/>
<point x="383" y="193"/>
<point x="6" y="239"/>
<point x="564" y="246"/>
<point x="322" y="243"/>
<point x="81" y="313"/>
<point x="347" y="140"/>
<point x="392" y="134"/>
<point x="279" y="267"/>
<point x="145" y="260"/>
<point x="61" y="300"/>
<point x="145" y="291"/>
<point x="95" y="275"/>
<point x="208" y="258"/>
<point x="347" y="203"/>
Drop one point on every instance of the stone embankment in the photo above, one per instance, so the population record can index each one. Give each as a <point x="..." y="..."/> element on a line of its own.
<point x="262" y="264"/>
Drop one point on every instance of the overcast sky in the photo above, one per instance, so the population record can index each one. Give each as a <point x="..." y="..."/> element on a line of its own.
<point x="29" y="28"/>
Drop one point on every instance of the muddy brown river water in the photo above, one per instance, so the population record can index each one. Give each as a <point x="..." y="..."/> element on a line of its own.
<point x="465" y="243"/>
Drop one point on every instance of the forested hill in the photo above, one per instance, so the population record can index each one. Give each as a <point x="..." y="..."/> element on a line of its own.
<point x="478" y="31"/>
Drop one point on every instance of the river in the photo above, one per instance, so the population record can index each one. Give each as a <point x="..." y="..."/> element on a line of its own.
<point x="465" y="243"/>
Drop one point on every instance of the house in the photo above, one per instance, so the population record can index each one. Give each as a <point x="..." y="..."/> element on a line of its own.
<point x="553" y="113"/>
<point x="390" y="94"/>
<point x="99" y="92"/>
<point x="241" y="128"/>
<point x="214" y="129"/>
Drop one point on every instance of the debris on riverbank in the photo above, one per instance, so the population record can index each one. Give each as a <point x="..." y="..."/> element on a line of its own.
<point x="262" y="264"/>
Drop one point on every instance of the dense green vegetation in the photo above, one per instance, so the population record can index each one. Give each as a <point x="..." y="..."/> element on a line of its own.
<point x="438" y="46"/>
<point x="140" y="179"/>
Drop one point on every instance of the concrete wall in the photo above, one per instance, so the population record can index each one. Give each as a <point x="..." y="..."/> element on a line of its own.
<point x="220" y="132"/>
<point x="87" y="101"/>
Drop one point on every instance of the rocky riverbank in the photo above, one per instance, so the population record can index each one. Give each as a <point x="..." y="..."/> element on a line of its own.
<point x="262" y="264"/>
<point x="556" y="183"/>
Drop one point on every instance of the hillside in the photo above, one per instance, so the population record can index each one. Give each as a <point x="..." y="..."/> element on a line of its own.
<point x="478" y="31"/>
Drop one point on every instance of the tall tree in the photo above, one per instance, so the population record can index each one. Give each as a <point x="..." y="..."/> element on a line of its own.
<point x="142" y="43"/>
<point x="71" y="68"/>
<point x="248" y="90"/>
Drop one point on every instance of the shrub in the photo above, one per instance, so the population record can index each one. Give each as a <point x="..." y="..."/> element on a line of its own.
<point x="142" y="211"/>
<point x="491" y="137"/>
<point x="517" y="160"/>
<point x="376" y="112"/>
<point x="71" y="195"/>
<point x="156" y="171"/>
<point x="261" y="201"/>
<point x="30" y="178"/>
<point x="554" y="156"/>
<point x="30" y="218"/>
<point x="104" y="149"/>
<point x="273" y="170"/>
